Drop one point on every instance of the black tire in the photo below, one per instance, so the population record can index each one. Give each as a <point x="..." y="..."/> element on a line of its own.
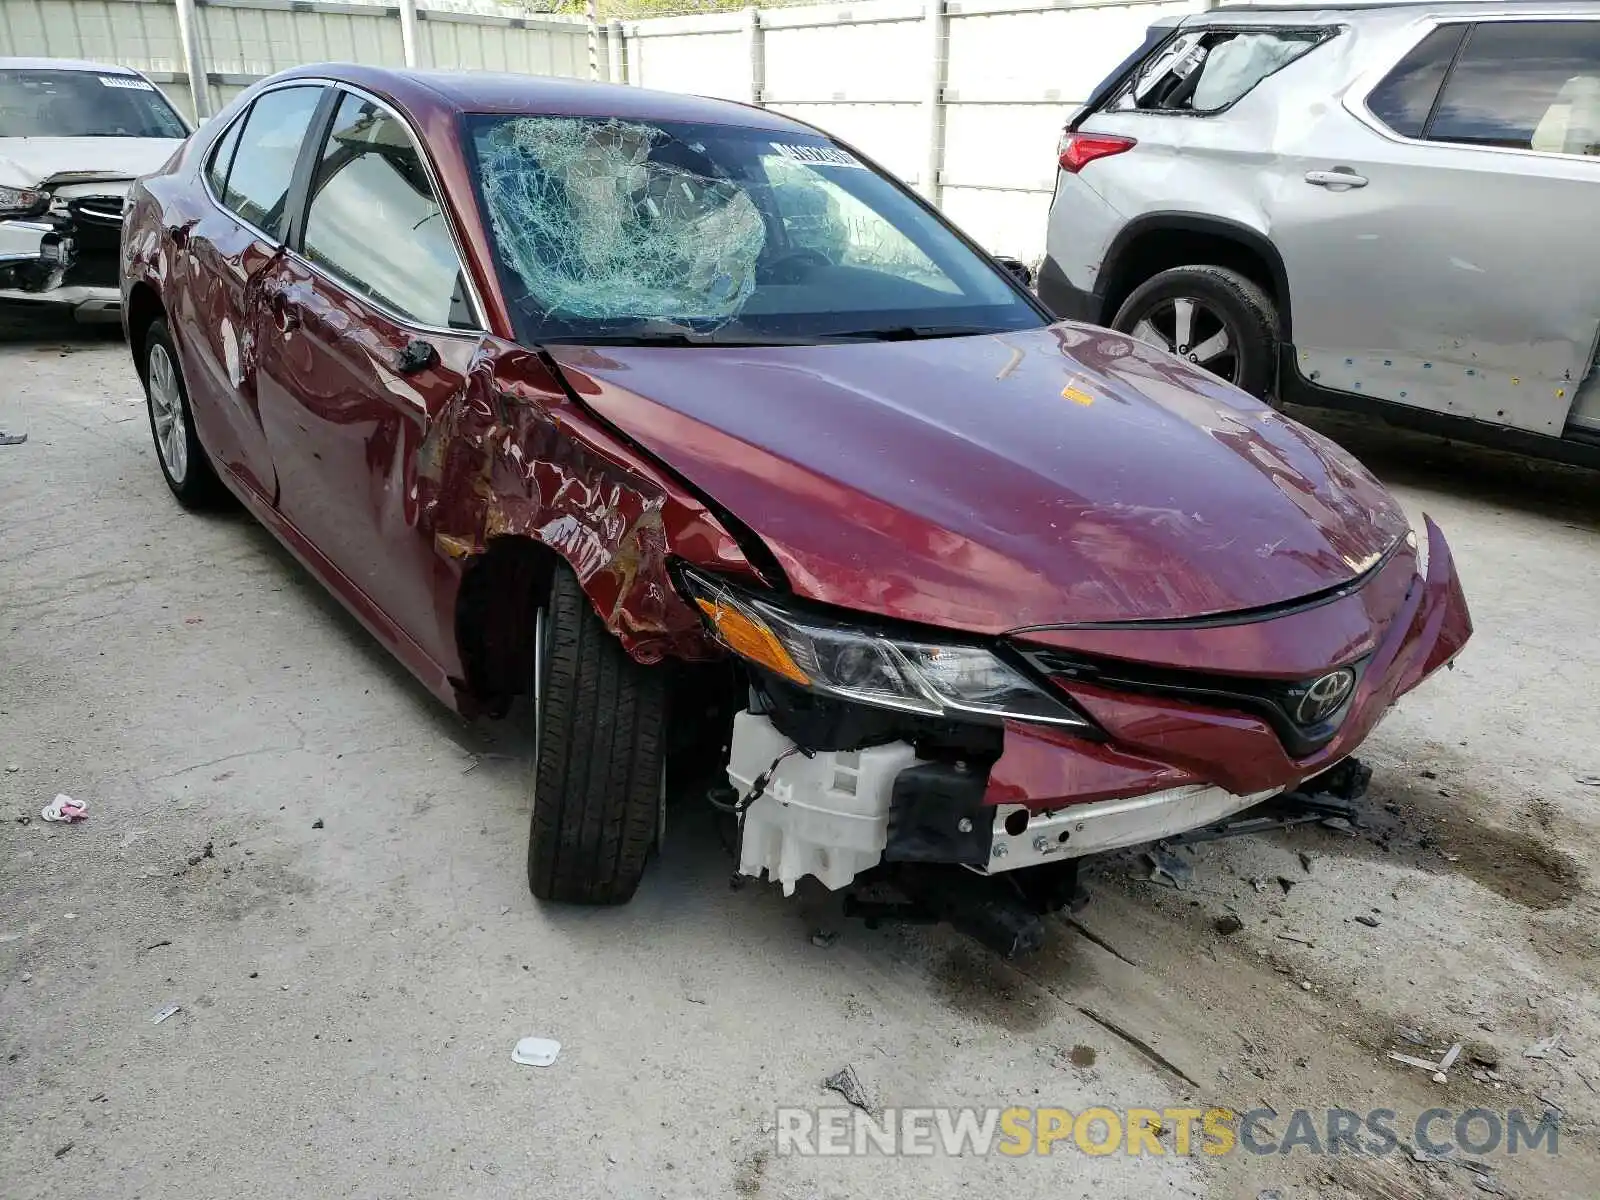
<point x="600" y="742"/>
<point x="194" y="482"/>
<point x="1244" y="310"/>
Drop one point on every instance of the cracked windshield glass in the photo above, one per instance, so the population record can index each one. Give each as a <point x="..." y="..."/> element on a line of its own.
<point x="610" y="230"/>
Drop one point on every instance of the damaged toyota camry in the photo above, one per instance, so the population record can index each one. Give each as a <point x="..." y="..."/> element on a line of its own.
<point x="682" y="432"/>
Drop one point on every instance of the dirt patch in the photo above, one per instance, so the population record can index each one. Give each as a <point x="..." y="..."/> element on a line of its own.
<point x="1082" y="1056"/>
<point x="1439" y="827"/>
<point x="972" y="981"/>
<point x="751" y="1171"/>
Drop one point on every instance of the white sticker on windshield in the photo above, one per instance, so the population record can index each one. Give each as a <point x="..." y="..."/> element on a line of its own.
<point x="821" y="156"/>
<point x="126" y="81"/>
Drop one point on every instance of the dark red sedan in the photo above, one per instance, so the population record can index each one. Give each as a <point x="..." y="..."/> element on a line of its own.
<point x="689" y="424"/>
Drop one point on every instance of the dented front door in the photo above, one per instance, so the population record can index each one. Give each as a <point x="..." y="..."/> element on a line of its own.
<point x="345" y="411"/>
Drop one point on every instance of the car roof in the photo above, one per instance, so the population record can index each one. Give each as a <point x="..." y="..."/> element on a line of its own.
<point x="63" y="64"/>
<point x="504" y="92"/>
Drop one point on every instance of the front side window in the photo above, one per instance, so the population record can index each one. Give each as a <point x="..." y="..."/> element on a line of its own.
<point x="83" y="104"/>
<point x="1524" y="85"/>
<point x="1207" y="70"/>
<point x="375" y="223"/>
<point x="257" y="182"/>
<point x="612" y="229"/>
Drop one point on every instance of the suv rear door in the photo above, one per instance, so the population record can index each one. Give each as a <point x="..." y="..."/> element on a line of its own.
<point x="1439" y="235"/>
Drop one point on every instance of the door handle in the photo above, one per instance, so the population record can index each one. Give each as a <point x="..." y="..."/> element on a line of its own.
<point x="284" y="314"/>
<point x="1339" y="177"/>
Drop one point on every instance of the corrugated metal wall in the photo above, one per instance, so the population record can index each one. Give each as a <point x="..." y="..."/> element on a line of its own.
<point x="245" y="40"/>
<point x="965" y="102"/>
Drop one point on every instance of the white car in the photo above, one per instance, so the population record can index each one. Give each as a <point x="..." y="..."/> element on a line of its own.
<point x="73" y="136"/>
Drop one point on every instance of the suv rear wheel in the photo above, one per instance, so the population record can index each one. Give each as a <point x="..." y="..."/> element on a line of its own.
<point x="1216" y="318"/>
<point x="598" y="782"/>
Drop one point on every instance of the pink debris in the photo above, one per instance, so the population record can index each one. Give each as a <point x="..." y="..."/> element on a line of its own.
<point x="65" y="810"/>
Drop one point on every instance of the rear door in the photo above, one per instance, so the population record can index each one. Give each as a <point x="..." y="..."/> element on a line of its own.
<point x="366" y="331"/>
<point x="231" y="246"/>
<point x="1440" y="237"/>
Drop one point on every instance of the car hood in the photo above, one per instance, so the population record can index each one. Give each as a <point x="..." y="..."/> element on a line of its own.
<point x="32" y="161"/>
<point x="990" y="483"/>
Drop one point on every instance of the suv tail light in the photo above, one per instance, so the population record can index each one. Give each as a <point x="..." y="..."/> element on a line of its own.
<point x="1078" y="149"/>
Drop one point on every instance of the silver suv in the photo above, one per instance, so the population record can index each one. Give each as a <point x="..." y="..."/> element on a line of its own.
<point x="1391" y="207"/>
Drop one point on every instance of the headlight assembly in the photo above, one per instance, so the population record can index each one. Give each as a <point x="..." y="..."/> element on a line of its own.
<point x="958" y="682"/>
<point x="22" y="202"/>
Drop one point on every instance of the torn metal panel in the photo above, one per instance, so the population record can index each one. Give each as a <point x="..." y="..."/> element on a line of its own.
<point x="511" y="456"/>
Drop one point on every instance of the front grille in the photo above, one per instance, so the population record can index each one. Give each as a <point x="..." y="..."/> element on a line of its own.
<point x="97" y="210"/>
<point x="1285" y="705"/>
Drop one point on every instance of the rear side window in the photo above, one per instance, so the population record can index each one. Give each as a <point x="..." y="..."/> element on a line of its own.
<point x="1404" y="100"/>
<point x="257" y="182"/>
<point x="375" y="223"/>
<point x="1207" y="70"/>
<point x="1526" y="85"/>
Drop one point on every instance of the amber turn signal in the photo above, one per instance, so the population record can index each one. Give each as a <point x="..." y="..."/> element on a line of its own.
<point x="751" y="640"/>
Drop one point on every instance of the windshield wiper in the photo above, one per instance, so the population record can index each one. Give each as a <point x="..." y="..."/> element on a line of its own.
<point x="910" y="333"/>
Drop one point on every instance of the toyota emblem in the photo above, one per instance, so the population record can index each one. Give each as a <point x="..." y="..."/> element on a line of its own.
<point x="1324" y="696"/>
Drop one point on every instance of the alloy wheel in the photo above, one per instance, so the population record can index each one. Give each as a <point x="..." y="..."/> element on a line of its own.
<point x="1192" y="329"/>
<point x="166" y="412"/>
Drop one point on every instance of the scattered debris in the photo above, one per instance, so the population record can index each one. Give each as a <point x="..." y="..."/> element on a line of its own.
<point x="168" y="1011"/>
<point x="848" y="1084"/>
<point x="1305" y="862"/>
<point x="536" y="1051"/>
<point x="1542" y="1049"/>
<point x="1269" y="1194"/>
<point x="1437" y="1069"/>
<point x="1408" y="1034"/>
<point x="27" y="977"/>
<point x="1589" y="780"/>
<point x="695" y="999"/>
<point x="16" y="439"/>
<point x="1289" y="937"/>
<point x="64" y="810"/>
<point x="1481" y="1054"/>
<point x="1227" y="925"/>
<point x="12" y="768"/>
<point x="823" y="938"/>
<point x="1429" y="774"/>
<point x="1166" y="865"/>
<point x="61" y="1151"/>
<point x="1305" y="985"/>
<point x="24" y="819"/>
<point x="317" y="824"/>
<point x="1260" y="885"/>
<point x="157" y="945"/>
<point x="1341" y="824"/>
<point x="1366" y="919"/>
<point x="1285" y="883"/>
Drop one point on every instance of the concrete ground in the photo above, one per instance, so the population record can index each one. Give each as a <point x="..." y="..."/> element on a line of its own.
<point x="290" y="840"/>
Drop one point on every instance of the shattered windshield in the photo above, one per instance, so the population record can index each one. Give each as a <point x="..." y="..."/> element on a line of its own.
<point x="83" y="104"/>
<point x="628" y="230"/>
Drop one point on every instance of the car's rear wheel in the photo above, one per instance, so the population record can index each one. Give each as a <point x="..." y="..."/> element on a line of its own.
<point x="599" y="726"/>
<point x="1216" y="318"/>
<point x="183" y="460"/>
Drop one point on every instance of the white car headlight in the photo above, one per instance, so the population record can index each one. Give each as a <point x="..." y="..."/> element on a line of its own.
<point x="959" y="682"/>
<point x="22" y="202"/>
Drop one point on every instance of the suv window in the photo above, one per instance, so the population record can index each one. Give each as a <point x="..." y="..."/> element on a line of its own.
<point x="53" y="103"/>
<point x="258" y="178"/>
<point x="1405" y="98"/>
<point x="1527" y="85"/>
<point x="375" y="223"/>
<point x="1207" y="70"/>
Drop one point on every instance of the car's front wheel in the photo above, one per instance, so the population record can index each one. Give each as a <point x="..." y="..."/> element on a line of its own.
<point x="183" y="461"/>
<point x="599" y="734"/>
<point x="1216" y="318"/>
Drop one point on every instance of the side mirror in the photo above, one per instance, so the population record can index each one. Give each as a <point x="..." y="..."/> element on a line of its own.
<point x="1018" y="268"/>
